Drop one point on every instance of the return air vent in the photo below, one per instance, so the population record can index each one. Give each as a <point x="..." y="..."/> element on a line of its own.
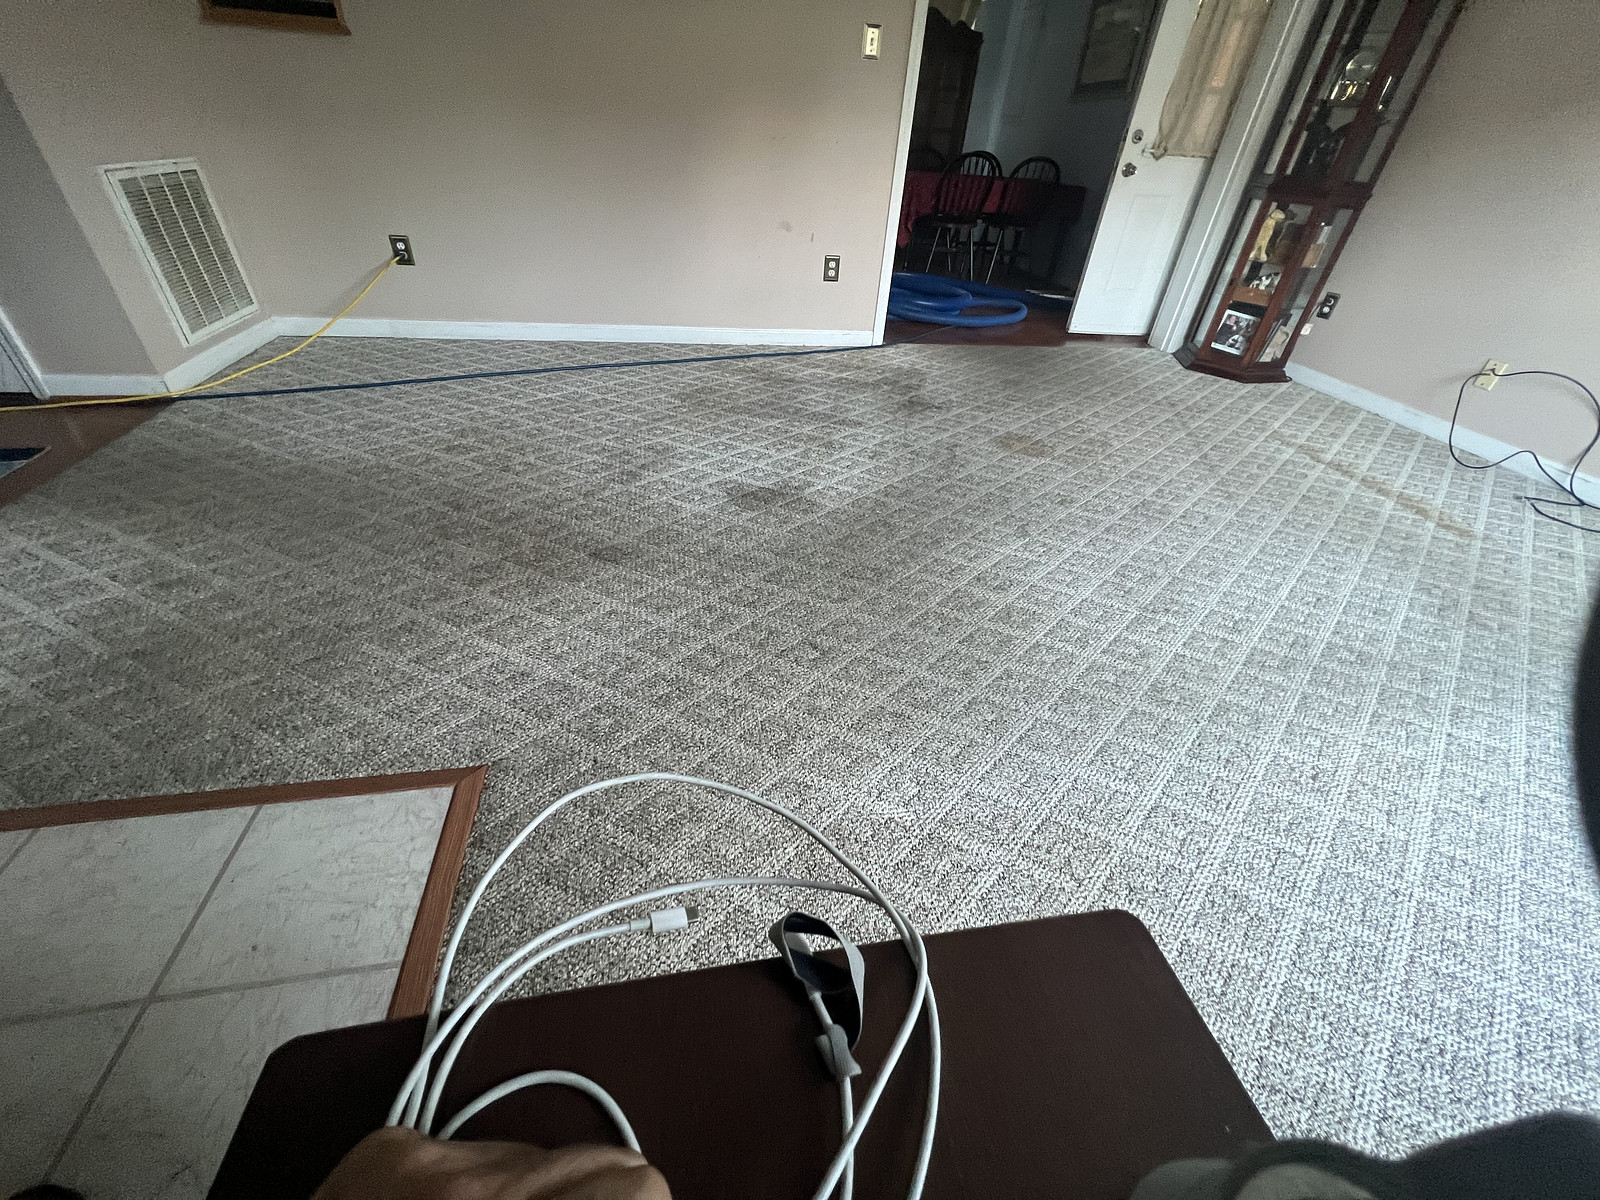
<point x="169" y="213"/>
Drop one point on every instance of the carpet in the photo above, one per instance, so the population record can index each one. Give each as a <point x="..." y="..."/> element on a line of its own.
<point x="1029" y="631"/>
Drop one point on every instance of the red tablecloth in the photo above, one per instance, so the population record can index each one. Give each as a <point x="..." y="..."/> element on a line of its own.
<point x="922" y="188"/>
<point x="922" y="193"/>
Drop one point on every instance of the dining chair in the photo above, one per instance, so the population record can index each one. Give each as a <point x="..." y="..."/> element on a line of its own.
<point x="1025" y="199"/>
<point x="962" y="195"/>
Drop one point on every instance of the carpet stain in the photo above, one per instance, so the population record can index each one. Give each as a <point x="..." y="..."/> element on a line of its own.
<point x="755" y="499"/>
<point x="612" y="554"/>
<point x="1020" y="444"/>
<point x="1404" y="501"/>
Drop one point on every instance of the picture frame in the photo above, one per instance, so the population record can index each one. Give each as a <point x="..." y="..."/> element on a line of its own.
<point x="1113" y="47"/>
<point x="1237" y="327"/>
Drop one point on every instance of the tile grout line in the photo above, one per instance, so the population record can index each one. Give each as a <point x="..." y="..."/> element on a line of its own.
<point x="308" y="977"/>
<point x="195" y="993"/>
<point x="21" y="846"/>
<point x="150" y="997"/>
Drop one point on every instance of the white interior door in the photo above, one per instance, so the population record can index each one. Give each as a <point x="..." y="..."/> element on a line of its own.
<point x="1147" y="205"/>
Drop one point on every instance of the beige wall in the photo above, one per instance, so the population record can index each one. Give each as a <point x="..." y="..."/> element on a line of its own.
<point x="1482" y="239"/>
<point x="594" y="161"/>
<point x="51" y="285"/>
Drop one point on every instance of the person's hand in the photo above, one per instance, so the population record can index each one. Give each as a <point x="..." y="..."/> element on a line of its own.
<point x="401" y="1164"/>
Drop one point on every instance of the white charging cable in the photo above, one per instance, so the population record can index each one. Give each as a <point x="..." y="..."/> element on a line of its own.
<point x="417" y="1102"/>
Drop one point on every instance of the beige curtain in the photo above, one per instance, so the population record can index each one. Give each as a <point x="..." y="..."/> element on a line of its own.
<point x="1215" y="59"/>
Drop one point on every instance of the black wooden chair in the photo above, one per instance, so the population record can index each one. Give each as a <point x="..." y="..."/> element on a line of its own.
<point x="958" y="207"/>
<point x="1025" y="199"/>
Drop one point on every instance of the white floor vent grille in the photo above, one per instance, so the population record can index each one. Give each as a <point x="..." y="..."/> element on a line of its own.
<point x="169" y="213"/>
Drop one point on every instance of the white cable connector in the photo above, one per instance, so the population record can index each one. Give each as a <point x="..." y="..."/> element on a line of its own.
<point x="670" y="920"/>
<point x="418" y="1099"/>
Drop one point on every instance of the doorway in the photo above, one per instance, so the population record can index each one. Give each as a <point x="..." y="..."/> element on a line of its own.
<point x="1139" y="200"/>
<point x="1045" y="90"/>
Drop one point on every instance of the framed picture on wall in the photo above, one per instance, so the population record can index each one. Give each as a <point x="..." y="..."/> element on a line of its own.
<point x="1113" y="48"/>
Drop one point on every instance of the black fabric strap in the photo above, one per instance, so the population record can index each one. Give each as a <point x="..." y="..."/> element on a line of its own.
<point x="841" y="990"/>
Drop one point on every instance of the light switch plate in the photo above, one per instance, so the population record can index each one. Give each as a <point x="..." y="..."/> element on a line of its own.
<point x="871" y="40"/>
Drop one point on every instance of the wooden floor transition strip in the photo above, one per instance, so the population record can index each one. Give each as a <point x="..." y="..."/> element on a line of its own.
<point x="417" y="968"/>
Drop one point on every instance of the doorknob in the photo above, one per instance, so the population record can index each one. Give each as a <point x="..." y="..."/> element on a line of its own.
<point x="1129" y="169"/>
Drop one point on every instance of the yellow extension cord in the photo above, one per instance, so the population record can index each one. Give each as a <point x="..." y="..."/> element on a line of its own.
<point x="200" y="387"/>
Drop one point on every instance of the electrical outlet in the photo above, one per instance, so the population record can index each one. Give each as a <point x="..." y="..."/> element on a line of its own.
<point x="871" y="40"/>
<point x="1325" y="309"/>
<point x="830" y="268"/>
<point x="400" y="248"/>
<point x="1492" y="371"/>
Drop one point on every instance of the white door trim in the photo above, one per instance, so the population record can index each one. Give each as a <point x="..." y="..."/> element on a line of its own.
<point x="902" y="149"/>
<point x="12" y="347"/>
<point x="1271" y="74"/>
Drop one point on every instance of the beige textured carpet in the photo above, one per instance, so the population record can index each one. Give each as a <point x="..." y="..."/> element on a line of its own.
<point x="1030" y="631"/>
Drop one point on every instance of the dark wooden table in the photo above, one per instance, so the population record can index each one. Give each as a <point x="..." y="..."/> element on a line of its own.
<point x="1073" y="1064"/>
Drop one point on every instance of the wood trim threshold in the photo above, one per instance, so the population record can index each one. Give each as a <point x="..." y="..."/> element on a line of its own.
<point x="68" y="435"/>
<point x="420" y="963"/>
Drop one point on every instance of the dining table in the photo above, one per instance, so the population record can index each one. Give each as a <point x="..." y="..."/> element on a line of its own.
<point x="1061" y="208"/>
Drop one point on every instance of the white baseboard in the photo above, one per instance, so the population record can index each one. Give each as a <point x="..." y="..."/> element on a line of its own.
<point x="102" y="385"/>
<point x="231" y="349"/>
<point x="186" y="374"/>
<point x="549" y="331"/>
<point x="1437" y="428"/>
<point x="220" y="355"/>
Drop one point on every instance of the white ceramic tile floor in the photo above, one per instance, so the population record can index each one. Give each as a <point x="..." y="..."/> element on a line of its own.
<point x="160" y="1125"/>
<point x="114" y="1075"/>
<point x="284" y="907"/>
<point x="12" y="841"/>
<point x="48" y="1070"/>
<point x="68" y="941"/>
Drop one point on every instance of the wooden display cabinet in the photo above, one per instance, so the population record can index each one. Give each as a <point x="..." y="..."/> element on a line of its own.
<point x="1359" y="78"/>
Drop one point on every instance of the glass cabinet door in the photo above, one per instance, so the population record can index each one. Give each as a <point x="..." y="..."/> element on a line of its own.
<point x="1315" y="256"/>
<point x="1361" y="51"/>
<point x="1358" y="76"/>
<point x="1395" y="103"/>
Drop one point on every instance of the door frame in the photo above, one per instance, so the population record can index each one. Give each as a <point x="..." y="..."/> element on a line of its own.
<point x="1253" y="121"/>
<point x="1270" y="75"/>
<point x="11" y="345"/>
<point x="902" y="150"/>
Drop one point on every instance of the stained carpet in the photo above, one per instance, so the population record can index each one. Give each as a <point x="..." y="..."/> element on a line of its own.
<point x="1029" y="631"/>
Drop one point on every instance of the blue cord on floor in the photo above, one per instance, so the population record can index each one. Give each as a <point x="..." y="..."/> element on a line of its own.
<point x="643" y="362"/>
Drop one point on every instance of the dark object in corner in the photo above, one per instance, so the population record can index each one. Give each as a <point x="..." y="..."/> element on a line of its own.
<point x="303" y="16"/>
<point x="12" y="457"/>
<point x="48" y="1191"/>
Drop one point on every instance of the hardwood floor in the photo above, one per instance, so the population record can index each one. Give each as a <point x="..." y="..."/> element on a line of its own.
<point x="69" y="435"/>
<point x="1039" y="328"/>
